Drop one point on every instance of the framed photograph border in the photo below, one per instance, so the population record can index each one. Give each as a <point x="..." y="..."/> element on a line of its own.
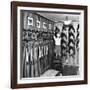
<point x="13" y="47"/>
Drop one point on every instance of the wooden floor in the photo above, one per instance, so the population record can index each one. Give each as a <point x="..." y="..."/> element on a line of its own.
<point x="50" y="73"/>
<point x="66" y="71"/>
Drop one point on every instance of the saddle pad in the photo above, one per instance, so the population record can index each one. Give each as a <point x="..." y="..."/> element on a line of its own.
<point x="49" y="73"/>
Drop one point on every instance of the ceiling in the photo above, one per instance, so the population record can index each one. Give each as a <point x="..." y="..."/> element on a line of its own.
<point x="56" y="17"/>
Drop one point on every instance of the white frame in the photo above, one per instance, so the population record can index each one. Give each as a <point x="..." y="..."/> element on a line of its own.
<point x="58" y="78"/>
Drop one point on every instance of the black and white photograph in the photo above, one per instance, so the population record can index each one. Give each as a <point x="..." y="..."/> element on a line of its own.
<point x="49" y="44"/>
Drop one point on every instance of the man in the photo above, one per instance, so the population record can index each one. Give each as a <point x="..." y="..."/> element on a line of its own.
<point x="57" y="39"/>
